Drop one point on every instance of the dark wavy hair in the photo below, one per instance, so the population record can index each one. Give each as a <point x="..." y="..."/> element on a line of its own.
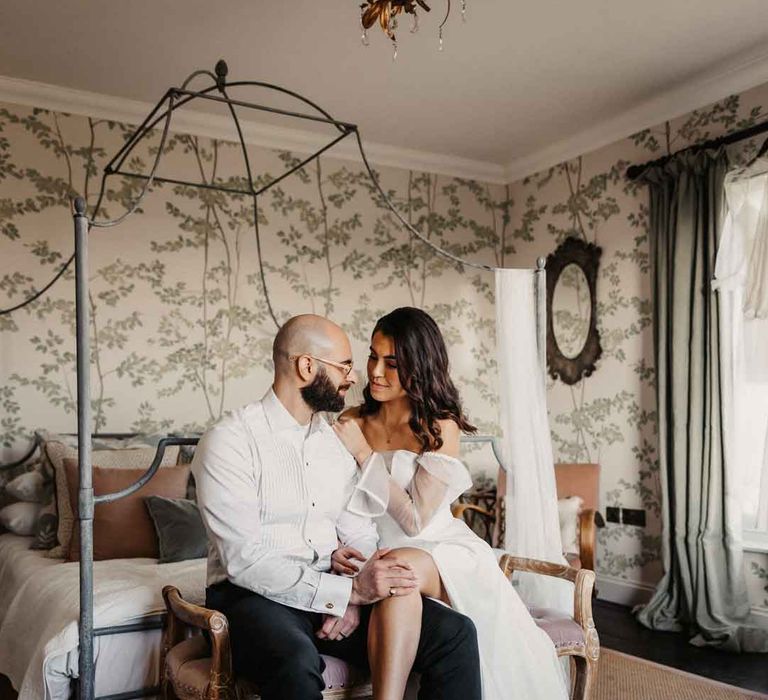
<point x="422" y="366"/>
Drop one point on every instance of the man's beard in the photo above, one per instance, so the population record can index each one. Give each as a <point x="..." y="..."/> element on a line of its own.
<point x="322" y="395"/>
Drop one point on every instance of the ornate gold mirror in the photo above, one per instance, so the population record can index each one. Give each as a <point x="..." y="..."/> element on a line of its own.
<point x="573" y="341"/>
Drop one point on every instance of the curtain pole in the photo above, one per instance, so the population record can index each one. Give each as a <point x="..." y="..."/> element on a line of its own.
<point x="634" y="171"/>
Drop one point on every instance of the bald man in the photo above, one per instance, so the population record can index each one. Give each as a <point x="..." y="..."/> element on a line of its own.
<point x="273" y="481"/>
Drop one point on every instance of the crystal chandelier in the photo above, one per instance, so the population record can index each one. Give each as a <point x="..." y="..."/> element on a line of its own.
<point x="385" y="12"/>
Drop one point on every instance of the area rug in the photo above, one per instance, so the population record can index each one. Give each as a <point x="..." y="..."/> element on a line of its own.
<point x="624" y="677"/>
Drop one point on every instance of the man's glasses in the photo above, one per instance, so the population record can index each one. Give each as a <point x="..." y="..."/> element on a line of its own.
<point x="345" y="367"/>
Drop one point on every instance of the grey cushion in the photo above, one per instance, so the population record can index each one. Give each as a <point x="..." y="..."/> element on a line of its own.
<point x="180" y="531"/>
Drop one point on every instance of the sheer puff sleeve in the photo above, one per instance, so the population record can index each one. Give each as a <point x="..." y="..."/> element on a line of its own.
<point x="437" y="480"/>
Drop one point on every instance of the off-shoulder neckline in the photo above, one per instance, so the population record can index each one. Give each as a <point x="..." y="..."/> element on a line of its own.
<point x="417" y="454"/>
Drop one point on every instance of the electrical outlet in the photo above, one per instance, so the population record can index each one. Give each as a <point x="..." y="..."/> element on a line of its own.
<point x="633" y="516"/>
<point x="612" y="514"/>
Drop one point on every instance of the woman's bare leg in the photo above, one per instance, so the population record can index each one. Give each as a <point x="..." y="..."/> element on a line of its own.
<point x="395" y="627"/>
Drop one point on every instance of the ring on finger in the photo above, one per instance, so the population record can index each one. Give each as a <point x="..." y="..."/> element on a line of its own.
<point x="392" y="591"/>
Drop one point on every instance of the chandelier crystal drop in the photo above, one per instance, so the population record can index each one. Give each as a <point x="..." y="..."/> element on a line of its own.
<point x="385" y="12"/>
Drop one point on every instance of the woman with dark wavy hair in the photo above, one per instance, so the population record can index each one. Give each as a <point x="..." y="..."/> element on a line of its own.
<point x="405" y="438"/>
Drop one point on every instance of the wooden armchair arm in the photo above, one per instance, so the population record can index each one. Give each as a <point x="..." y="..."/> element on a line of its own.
<point x="583" y="580"/>
<point x="182" y="613"/>
<point x="510" y="564"/>
<point x="458" y="510"/>
<point x="587" y="536"/>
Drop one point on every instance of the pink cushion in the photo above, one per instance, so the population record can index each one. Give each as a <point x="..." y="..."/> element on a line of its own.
<point x="189" y="667"/>
<point x="579" y="480"/>
<point x="340" y="674"/>
<point x="562" y="630"/>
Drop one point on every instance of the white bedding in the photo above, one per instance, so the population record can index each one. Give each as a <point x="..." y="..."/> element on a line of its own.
<point x="39" y="603"/>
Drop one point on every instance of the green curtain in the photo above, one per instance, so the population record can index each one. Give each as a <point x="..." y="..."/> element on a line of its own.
<point x="703" y="590"/>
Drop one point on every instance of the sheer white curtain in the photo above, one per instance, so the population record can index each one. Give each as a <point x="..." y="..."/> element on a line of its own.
<point x="741" y="281"/>
<point x="532" y="527"/>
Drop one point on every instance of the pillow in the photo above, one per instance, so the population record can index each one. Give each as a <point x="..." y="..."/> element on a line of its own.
<point x="123" y="529"/>
<point x="20" y="518"/>
<point x="30" y="482"/>
<point x="568" y="509"/>
<point x="10" y="474"/>
<point x="29" y="487"/>
<point x="180" y="531"/>
<point x="114" y="453"/>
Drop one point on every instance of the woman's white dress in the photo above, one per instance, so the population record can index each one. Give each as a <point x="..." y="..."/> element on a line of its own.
<point x="410" y="497"/>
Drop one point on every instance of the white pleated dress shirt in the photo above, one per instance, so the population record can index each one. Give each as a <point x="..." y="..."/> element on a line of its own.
<point x="273" y="495"/>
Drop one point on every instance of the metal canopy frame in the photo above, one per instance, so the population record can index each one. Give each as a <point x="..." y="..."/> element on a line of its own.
<point x="173" y="99"/>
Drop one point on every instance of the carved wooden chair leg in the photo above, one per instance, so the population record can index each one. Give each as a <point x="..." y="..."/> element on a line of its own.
<point x="585" y="676"/>
<point x="579" y="667"/>
<point x="590" y="677"/>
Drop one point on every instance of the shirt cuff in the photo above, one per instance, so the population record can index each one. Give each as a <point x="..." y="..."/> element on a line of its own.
<point x="332" y="595"/>
<point x="371" y="494"/>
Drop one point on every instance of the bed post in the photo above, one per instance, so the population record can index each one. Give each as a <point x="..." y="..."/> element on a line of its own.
<point x="541" y="315"/>
<point x="85" y="493"/>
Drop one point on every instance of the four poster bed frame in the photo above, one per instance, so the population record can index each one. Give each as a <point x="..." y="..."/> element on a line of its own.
<point x="174" y="98"/>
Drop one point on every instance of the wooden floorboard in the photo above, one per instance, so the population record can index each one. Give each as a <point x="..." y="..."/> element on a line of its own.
<point x="619" y="630"/>
<point x="6" y="689"/>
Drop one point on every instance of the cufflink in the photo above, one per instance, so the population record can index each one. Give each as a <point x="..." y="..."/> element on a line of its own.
<point x="329" y="606"/>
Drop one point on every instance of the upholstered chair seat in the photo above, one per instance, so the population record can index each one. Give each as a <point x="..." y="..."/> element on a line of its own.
<point x="342" y="681"/>
<point x="193" y="669"/>
<point x="562" y="629"/>
<point x="188" y="668"/>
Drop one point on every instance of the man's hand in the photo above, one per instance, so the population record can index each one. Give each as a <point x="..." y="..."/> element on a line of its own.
<point x="335" y="628"/>
<point x="381" y="578"/>
<point x="341" y="561"/>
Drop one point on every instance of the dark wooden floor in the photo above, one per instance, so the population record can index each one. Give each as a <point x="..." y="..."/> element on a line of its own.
<point x="6" y="689"/>
<point x="619" y="630"/>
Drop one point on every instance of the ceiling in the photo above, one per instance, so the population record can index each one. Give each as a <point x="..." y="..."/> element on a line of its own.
<point x="519" y="82"/>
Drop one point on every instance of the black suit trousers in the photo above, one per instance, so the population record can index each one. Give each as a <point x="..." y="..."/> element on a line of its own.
<point x="275" y="647"/>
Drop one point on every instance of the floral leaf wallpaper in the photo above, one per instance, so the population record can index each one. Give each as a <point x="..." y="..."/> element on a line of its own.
<point x="181" y="330"/>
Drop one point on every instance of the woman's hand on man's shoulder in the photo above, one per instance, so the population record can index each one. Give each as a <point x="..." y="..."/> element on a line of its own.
<point x="351" y="414"/>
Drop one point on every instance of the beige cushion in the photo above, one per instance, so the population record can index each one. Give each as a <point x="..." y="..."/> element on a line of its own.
<point x="130" y="458"/>
<point x="568" y="511"/>
<point x="29" y="487"/>
<point x="123" y="529"/>
<point x="20" y="517"/>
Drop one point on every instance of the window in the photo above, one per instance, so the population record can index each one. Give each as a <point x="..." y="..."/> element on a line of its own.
<point x="744" y="346"/>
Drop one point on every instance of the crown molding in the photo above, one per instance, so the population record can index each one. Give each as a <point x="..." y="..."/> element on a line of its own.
<point x="747" y="71"/>
<point x="62" y="99"/>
